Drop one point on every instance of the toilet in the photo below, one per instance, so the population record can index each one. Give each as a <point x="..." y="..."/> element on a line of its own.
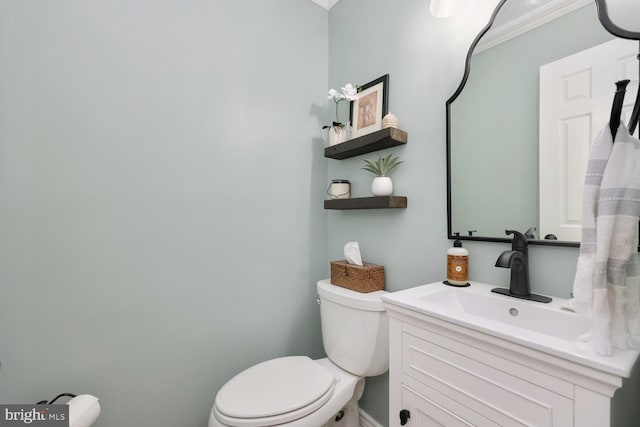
<point x="297" y="391"/>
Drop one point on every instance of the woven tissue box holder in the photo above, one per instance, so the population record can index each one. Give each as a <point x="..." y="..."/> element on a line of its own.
<point x="366" y="278"/>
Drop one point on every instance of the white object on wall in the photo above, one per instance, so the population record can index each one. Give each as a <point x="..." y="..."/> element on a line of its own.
<point x="446" y="8"/>
<point x="83" y="410"/>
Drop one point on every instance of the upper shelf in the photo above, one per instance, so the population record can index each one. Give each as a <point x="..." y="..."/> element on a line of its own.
<point x="378" y="140"/>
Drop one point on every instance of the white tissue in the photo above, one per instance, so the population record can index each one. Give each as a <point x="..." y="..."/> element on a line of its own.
<point x="83" y="410"/>
<point x="352" y="253"/>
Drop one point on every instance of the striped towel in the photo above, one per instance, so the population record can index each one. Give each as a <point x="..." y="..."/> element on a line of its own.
<point x="583" y="283"/>
<point x="606" y="285"/>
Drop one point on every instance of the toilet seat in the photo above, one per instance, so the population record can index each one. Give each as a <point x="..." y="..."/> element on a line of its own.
<point x="249" y="400"/>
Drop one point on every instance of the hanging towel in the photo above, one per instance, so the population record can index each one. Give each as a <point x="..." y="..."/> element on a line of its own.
<point x="606" y="285"/>
<point x="583" y="283"/>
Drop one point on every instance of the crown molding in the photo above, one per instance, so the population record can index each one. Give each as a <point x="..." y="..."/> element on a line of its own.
<point x="327" y="4"/>
<point x="528" y="22"/>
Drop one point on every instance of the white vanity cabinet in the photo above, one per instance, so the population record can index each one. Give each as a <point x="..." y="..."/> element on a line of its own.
<point x="446" y="374"/>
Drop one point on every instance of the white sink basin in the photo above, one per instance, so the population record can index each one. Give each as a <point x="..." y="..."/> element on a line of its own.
<point x="546" y="327"/>
<point x="535" y="317"/>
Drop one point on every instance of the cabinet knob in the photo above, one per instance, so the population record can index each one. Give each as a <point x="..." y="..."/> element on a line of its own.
<point x="404" y="416"/>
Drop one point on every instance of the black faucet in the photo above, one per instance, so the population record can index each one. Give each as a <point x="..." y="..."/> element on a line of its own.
<point x="517" y="259"/>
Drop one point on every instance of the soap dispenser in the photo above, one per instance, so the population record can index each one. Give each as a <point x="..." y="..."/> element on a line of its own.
<point x="457" y="264"/>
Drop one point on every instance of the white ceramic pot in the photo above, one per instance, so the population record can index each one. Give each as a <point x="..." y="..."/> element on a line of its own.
<point x="382" y="186"/>
<point x="337" y="135"/>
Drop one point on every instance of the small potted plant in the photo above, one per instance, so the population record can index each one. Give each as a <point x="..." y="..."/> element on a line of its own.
<point x="382" y="184"/>
<point x="338" y="130"/>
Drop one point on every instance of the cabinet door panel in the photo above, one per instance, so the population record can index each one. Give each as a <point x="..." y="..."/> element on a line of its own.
<point x="483" y="388"/>
<point x="542" y="378"/>
<point x="432" y="408"/>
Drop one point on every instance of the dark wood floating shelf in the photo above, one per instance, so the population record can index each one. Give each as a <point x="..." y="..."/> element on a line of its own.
<point x="378" y="140"/>
<point x="381" y="202"/>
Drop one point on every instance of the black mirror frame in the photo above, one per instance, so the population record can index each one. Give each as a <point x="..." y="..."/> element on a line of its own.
<point x="465" y="77"/>
<point x="605" y="20"/>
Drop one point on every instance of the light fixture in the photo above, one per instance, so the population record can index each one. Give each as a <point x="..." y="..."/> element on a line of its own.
<point x="446" y="8"/>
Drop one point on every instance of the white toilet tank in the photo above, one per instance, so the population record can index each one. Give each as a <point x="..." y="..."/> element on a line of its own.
<point x="355" y="329"/>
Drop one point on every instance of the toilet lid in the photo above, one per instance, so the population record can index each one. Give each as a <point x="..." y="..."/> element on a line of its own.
<point x="275" y="387"/>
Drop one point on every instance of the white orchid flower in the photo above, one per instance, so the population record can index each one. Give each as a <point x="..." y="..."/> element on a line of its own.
<point x="349" y="92"/>
<point x="335" y="95"/>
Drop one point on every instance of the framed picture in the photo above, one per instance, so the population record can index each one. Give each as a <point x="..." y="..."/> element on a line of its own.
<point x="371" y="106"/>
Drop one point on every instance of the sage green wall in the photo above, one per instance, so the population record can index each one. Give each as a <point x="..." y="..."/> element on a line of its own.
<point x="161" y="187"/>
<point x="499" y="108"/>
<point x="424" y="57"/>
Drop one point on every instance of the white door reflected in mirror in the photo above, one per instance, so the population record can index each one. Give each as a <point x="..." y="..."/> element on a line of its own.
<point x="575" y="98"/>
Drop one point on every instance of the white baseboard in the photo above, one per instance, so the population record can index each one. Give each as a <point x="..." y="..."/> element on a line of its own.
<point x="367" y="421"/>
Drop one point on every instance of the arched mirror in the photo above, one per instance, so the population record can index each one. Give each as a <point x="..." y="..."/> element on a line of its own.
<point x="537" y="89"/>
<point x="620" y="17"/>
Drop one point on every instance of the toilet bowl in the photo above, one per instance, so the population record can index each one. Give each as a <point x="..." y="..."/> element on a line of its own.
<point x="277" y="403"/>
<point x="297" y="391"/>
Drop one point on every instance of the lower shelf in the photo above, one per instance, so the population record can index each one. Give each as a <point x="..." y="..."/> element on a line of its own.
<point x="381" y="202"/>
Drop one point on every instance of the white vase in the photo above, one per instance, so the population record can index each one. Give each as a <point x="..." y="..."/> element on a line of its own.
<point x="337" y="134"/>
<point x="382" y="186"/>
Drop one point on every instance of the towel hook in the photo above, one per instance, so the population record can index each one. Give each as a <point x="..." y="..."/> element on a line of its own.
<point x="616" y="108"/>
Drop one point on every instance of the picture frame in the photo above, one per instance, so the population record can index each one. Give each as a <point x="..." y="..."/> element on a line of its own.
<point x="371" y="106"/>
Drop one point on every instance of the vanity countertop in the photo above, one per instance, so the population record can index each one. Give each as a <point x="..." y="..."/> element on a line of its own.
<point x="550" y="328"/>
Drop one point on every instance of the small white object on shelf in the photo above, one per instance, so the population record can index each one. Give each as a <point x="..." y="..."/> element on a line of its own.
<point x="338" y="134"/>
<point x="390" y="121"/>
<point x="339" y="189"/>
<point x="382" y="186"/>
